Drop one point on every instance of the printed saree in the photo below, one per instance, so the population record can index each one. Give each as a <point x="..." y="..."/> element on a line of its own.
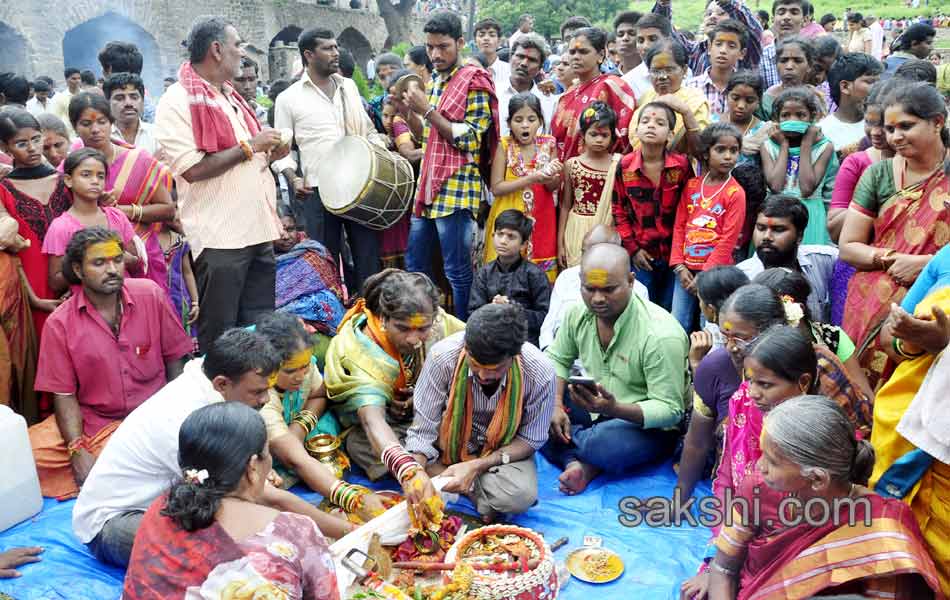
<point x="610" y="89"/>
<point x="360" y="372"/>
<point x="927" y="494"/>
<point x="18" y="343"/>
<point x="909" y="221"/>
<point x="879" y="554"/>
<point x="744" y="425"/>
<point x="136" y="176"/>
<point x="34" y="218"/>
<point x="288" y="559"/>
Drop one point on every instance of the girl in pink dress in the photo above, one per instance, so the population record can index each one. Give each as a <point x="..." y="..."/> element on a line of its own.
<point x="85" y="175"/>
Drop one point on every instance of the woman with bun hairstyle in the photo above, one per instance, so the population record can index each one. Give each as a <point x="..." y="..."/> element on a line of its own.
<point x="211" y="535"/>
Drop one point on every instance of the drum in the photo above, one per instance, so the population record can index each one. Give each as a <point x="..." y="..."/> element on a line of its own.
<point x="366" y="183"/>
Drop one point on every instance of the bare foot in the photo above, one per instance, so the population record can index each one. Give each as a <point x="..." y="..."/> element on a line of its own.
<point x="576" y="477"/>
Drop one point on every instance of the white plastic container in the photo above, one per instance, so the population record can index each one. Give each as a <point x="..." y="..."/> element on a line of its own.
<point x="20" y="496"/>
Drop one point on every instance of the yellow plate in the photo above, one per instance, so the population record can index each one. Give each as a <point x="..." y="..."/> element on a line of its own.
<point x="578" y="563"/>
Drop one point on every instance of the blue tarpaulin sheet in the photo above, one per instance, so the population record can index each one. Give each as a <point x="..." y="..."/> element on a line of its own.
<point x="657" y="559"/>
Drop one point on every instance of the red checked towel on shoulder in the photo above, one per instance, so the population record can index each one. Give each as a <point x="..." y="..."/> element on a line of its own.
<point x="442" y="159"/>
<point x="212" y="127"/>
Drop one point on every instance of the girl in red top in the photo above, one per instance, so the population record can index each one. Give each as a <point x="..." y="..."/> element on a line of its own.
<point x="709" y="218"/>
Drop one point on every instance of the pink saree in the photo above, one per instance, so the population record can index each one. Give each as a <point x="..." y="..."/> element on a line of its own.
<point x="136" y="176"/>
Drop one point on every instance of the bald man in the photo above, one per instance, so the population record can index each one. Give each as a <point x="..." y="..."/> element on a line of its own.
<point x="567" y="286"/>
<point x="630" y="410"/>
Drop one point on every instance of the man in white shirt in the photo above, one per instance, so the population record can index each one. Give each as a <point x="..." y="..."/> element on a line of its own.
<point x="487" y="34"/>
<point x="651" y="30"/>
<point x="213" y="142"/>
<point x="126" y="95"/>
<point x="140" y="461"/>
<point x="40" y="102"/>
<point x="625" y="30"/>
<point x="777" y="237"/>
<point x="320" y="108"/>
<point x="877" y="36"/>
<point x="527" y="56"/>
<point x="525" y="26"/>
<point x="59" y="105"/>
<point x="246" y="85"/>
<point x="567" y="286"/>
<point x="849" y="79"/>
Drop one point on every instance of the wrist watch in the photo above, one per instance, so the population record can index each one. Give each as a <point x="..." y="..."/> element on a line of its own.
<point x="505" y="458"/>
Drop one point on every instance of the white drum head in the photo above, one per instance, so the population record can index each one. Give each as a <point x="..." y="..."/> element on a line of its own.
<point x="344" y="172"/>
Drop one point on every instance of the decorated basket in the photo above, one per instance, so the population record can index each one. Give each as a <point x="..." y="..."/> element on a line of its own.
<point x="509" y="563"/>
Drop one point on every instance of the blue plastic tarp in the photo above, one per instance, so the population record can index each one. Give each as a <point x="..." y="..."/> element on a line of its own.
<point x="657" y="559"/>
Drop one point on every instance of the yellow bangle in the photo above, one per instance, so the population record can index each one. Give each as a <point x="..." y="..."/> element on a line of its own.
<point x="246" y="148"/>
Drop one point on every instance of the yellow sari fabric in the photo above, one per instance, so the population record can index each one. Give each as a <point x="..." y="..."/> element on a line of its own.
<point x="930" y="498"/>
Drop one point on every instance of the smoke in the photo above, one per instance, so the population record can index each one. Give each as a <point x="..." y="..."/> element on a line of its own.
<point x="81" y="46"/>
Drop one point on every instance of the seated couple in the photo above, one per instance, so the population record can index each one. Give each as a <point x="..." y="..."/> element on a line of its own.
<point x="420" y="392"/>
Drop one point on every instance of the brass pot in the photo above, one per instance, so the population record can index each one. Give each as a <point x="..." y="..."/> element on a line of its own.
<point x="326" y="449"/>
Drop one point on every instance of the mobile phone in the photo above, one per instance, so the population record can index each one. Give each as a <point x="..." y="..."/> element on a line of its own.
<point x="579" y="380"/>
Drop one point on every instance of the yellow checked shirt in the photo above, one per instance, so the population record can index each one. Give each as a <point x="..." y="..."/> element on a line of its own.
<point x="463" y="190"/>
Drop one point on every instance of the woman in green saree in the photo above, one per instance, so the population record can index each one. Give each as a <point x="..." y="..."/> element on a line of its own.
<point x="897" y="219"/>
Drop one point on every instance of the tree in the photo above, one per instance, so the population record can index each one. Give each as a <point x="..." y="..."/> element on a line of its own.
<point x="549" y="14"/>
<point x="397" y="14"/>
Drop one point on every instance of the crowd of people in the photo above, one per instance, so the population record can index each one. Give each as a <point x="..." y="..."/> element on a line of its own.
<point x="726" y="248"/>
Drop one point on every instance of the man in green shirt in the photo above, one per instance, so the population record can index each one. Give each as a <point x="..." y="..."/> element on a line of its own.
<point x="635" y="352"/>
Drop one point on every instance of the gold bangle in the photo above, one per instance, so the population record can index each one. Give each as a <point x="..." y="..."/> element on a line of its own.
<point x="246" y="148"/>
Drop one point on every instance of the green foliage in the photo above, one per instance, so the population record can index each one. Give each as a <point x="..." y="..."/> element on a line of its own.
<point x="401" y="49"/>
<point x="689" y="15"/>
<point x="549" y="14"/>
<point x="367" y="91"/>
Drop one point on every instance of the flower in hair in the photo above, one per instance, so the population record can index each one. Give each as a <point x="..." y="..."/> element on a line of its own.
<point x="590" y="113"/>
<point x="195" y="476"/>
<point x="793" y="311"/>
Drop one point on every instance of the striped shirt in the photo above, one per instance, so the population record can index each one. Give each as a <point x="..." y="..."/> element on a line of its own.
<point x="699" y="50"/>
<point x="234" y="210"/>
<point x="715" y="96"/>
<point x="768" y="68"/>
<point x="463" y="190"/>
<point x="432" y="389"/>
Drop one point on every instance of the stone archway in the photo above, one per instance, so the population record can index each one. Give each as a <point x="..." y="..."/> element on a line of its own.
<point x="81" y="46"/>
<point x="283" y="52"/>
<point x="15" y="56"/>
<point x="356" y="42"/>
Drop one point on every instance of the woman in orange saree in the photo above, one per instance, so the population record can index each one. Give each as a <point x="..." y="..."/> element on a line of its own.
<point x="897" y="220"/>
<point x="18" y="345"/>
<point x="838" y="538"/>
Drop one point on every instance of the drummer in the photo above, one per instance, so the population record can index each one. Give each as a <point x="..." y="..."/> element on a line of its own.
<point x="373" y="361"/>
<point x="320" y="108"/>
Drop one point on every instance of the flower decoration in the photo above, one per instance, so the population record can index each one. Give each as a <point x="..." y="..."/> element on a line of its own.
<point x="196" y="477"/>
<point x="794" y="312"/>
